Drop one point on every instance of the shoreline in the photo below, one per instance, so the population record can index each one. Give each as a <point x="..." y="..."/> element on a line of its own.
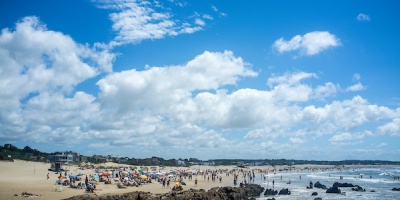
<point x="26" y="176"/>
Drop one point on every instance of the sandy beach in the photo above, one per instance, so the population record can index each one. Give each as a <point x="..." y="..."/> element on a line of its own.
<point x="24" y="176"/>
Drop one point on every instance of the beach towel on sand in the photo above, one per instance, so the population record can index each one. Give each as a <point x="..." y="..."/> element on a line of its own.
<point x="57" y="188"/>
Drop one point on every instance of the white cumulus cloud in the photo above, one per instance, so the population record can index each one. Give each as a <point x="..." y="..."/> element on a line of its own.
<point x="172" y="85"/>
<point x="356" y="87"/>
<point x="363" y="17"/>
<point x="356" y="77"/>
<point x="309" y="44"/>
<point x="31" y="64"/>
<point x="135" y="21"/>
<point x="199" y="22"/>
<point x="207" y="16"/>
<point x="391" y="128"/>
<point x="347" y="138"/>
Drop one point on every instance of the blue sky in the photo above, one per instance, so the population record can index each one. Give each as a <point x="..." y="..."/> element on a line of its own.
<point x="205" y="79"/>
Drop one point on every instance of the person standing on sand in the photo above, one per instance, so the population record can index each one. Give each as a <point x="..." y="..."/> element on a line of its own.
<point x="48" y="176"/>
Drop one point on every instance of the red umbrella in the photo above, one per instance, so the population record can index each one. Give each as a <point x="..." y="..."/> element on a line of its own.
<point x="105" y="174"/>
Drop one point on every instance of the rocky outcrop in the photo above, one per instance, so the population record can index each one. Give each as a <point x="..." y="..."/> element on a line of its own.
<point x="319" y="185"/>
<point x="358" y="189"/>
<point x="253" y="190"/>
<point x="314" y="194"/>
<point x="219" y="193"/>
<point x="337" y="184"/>
<point x="333" y="189"/>
<point x="270" y="192"/>
<point x="396" y="189"/>
<point x="284" y="191"/>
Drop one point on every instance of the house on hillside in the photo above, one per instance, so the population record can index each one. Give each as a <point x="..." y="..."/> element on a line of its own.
<point x="122" y="160"/>
<point x="180" y="162"/>
<point x="98" y="159"/>
<point x="63" y="157"/>
<point x="208" y="163"/>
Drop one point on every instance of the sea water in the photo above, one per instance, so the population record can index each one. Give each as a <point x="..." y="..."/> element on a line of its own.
<point x="371" y="179"/>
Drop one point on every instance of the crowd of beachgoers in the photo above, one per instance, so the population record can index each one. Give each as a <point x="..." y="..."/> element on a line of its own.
<point x="32" y="179"/>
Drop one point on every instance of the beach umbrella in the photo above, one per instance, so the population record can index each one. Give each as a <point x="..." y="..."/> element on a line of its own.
<point x="109" y="172"/>
<point x="143" y="177"/>
<point x="140" y="171"/>
<point x="104" y="174"/>
<point x="178" y="183"/>
<point x="183" y="183"/>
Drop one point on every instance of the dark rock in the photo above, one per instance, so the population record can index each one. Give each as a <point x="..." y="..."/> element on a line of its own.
<point x="318" y="198"/>
<point x="284" y="191"/>
<point x="319" y="185"/>
<point x="358" y="189"/>
<point x="314" y="194"/>
<point x="219" y="193"/>
<point x="343" y="184"/>
<point x="271" y="199"/>
<point x="270" y="192"/>
<point x="372" y="190"/>
<point x="396" y="189"/>
<point x="333" y="189"/>
<point x="253" y="190"/>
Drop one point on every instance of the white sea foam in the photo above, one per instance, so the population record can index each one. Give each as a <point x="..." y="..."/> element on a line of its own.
<point x="373" y="179"/>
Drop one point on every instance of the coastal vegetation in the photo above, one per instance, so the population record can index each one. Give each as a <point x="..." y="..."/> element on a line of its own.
<point x="10" y="152"/>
